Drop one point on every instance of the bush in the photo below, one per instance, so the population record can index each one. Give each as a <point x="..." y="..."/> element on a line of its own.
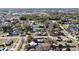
<point x="26" y="46"/>
<point x="69" y="41"/>
<point x="22" y="18"/>
<point x="29" y="38"/>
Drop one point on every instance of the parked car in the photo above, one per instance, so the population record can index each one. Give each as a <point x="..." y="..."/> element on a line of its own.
<point x="28" y="32"/>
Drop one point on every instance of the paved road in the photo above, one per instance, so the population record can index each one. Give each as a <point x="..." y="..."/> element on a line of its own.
<point x="10" y="37"/>
<point x="68" y="34"/>
<point x="25" y="40"/>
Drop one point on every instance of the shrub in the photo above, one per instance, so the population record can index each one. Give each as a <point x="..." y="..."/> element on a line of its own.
<point x="29" y="38"/>
<point x="22" y="18"/>
<point x="26" y="46"/>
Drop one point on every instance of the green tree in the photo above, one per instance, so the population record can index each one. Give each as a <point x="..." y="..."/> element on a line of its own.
<point x="43" y="17"/>
<point x="22" y="18"/>
<point x="29" y="38"/>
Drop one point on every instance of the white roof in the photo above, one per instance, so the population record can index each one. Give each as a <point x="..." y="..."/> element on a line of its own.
<point x="54" y="21"/>
<point x="33" y="43"/>
<point x="38" y="40"/>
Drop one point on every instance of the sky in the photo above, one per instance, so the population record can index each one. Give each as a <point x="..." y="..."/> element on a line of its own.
<point x="39" y="4"/>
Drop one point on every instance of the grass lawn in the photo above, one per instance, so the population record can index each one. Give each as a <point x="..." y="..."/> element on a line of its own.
<point x="65" y="26"/>
<point x="32" y="34"/>
<point x="15" y="40"/>
<point x="2" y="41"/>
<point x="2" y="34"/>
